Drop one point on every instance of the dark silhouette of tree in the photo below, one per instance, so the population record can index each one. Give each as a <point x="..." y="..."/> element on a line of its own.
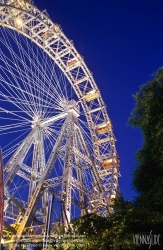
<point x="148" y="175"/>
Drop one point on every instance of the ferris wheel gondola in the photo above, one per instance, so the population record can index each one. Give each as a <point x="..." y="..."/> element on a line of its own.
<point x="56" y="135"/>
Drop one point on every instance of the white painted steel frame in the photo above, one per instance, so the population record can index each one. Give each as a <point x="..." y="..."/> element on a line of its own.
<point x="41" y="30"/>
<point x="50" y="37"/>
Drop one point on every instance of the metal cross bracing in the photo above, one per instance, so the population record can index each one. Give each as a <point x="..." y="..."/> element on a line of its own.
<point x="76" y="154"/>
<point x="92" y="177"/>
<point x="40" y="29"/>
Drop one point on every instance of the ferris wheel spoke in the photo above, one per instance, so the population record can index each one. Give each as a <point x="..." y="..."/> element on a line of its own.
<point x="10" y="98"/>
<point x="14" y="141"/>
<point x="20" y="101"/>
<point x="12" y="126"/>
<point x="35" y="84"/>
<point x="17" y="187"/>
<point x="10" y="68"/>
<point x="26" y="69"/>
<point x="44" y="83"/>
<point x="87" y="136"/>
<point x="14" y="113"/>
<point x="16" y="131"/>
<point x="21" y="75"/>
<point x="46" y="73"/>
<point x="12" y="86"/>
<point x="10" y="151"/>
<point x="17" y="190"/>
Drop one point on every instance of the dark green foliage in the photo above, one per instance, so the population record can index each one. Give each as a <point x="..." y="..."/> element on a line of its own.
<point x="148" y="116"/>
<point x="113" y="232"/>
<point x="148" y="175"/>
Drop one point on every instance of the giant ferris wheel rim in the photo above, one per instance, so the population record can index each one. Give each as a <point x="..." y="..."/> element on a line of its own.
<point x="49" y="36"/>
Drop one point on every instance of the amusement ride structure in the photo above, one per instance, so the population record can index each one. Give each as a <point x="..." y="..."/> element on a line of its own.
<point x="59" y="154"/>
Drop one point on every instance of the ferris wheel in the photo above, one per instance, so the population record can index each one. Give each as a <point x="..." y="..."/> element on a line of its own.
<point x="60" y="159"/>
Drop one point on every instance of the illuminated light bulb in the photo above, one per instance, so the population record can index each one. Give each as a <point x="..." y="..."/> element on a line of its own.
<point x="19" y="21"/>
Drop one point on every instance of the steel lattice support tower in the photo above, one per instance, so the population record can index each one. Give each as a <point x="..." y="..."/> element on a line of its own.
<point x="58" y="156"/>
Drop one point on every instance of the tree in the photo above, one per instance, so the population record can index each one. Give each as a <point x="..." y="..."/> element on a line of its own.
<point x="148" y="175"/>
<point x="111" y="233"/>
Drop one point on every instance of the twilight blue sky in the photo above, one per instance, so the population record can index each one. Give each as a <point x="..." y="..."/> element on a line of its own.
<point x="122" y="44"/>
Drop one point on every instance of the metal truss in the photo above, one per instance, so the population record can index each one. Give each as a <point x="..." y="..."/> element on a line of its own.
<point x="40" y="29"/>
<point x="70" y="152"/>
<point x="75" y="147"/>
